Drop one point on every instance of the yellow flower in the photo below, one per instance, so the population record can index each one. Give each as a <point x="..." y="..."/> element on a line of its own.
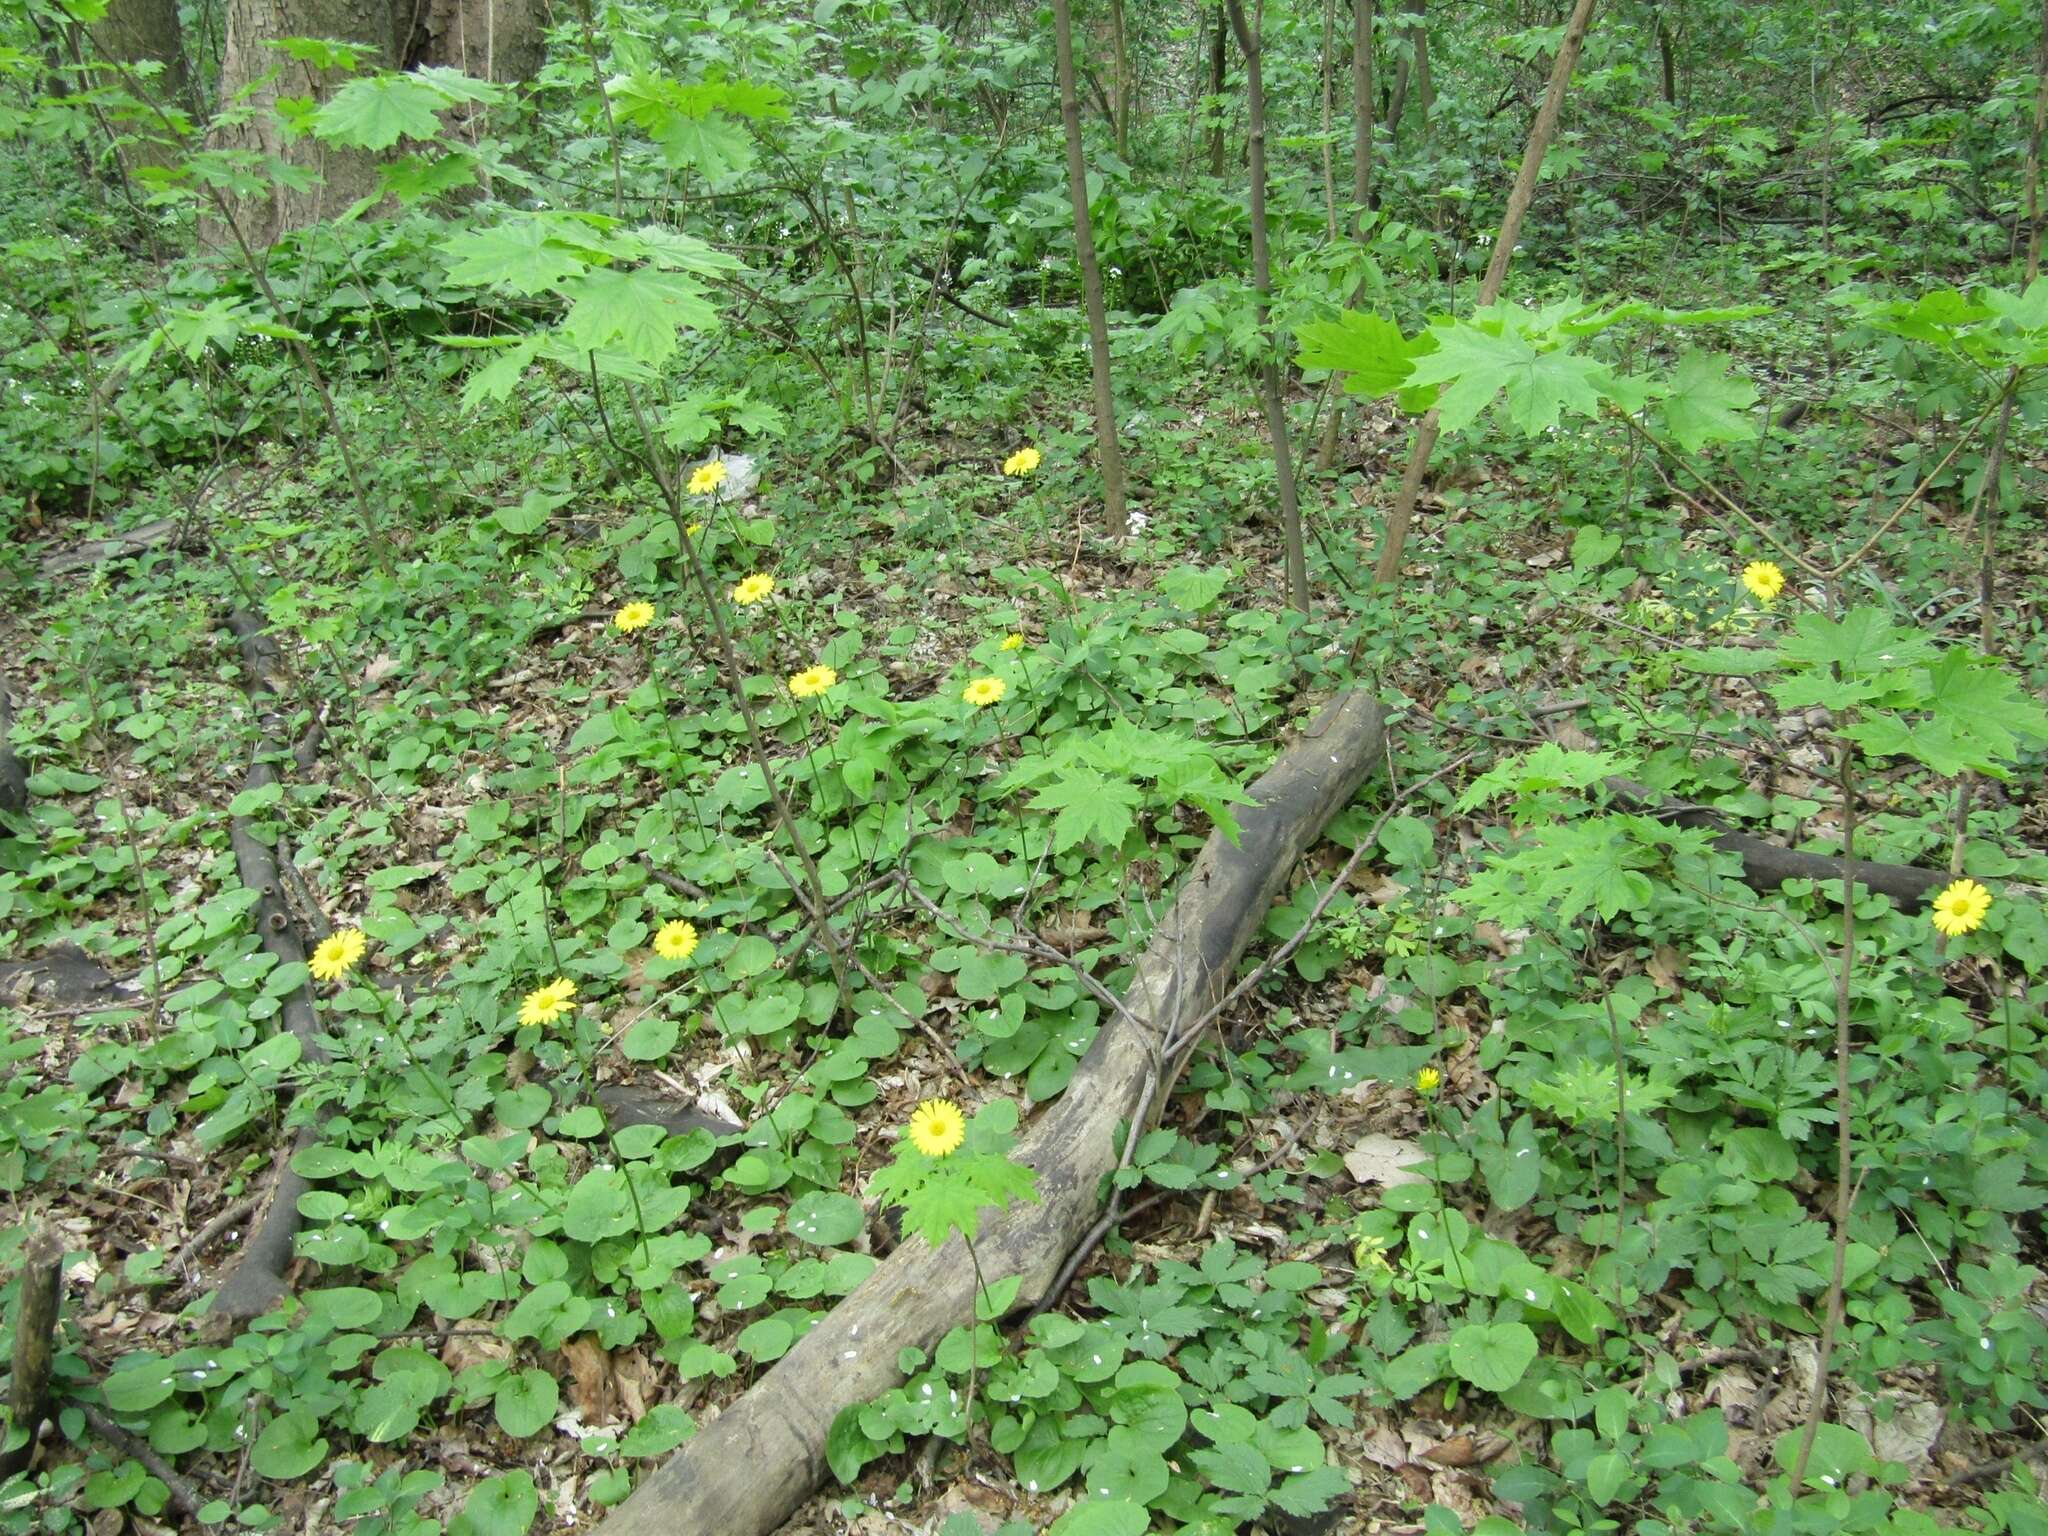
<point x="984" y="691"/>
<point x="544" y="1005"/>
<point x="1428" y="1080"/>
<point x="706" y="478"/>
<point x="1764" y="580"/>
<point x="937" y="1127"/>
<point x="1022" y="462"/>
<point x="753" y="589"/>
<point x="694" y="529"/>
<point x="812" y="681"/>
<point x="1012" y="643"/>
<point x="634" y="616"/>
<point x="676" y="940"/>
<point x="336" y="955"/>
<point x="1370" y="1254"/>
<point x="1960" y="907"/>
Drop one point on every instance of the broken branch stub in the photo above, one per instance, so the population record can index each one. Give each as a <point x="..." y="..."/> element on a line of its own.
<point x="753" y="1465"/>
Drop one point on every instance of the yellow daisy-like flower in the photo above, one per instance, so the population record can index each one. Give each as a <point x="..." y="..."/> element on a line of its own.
<point x="706" y="478"/>
<point x="1022" y="462"/>
<point x="676" y="940"/>
<point x="633" y="616"/>
<point x="336" y="955"/>
<point x="1012" y="643"/>
<point x="937" y="1127"/>
<point x="1960" y="907"/>
<point x="812" y="681"/>
<point x="1764" y="580"/>
<point x="544" y="1005"/>
<point x="1428" y="1080"/>
<point x="694" y="529"/>
<point x="753" y="589"/>
<point x="984" y="691"/>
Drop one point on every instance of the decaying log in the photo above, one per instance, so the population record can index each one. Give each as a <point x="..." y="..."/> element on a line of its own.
<point x="172" y="531"/>
<point x="256" y="1280"/>
<point x="35" y="1342"/>
<point x="13" y="776"/>
<point x="751" y="1467"/>
<point x="1767" y="865"/>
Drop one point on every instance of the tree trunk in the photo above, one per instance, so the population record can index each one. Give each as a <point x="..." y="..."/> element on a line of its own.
<point x="1541" y="131"/>
<point x="1125" y="92"/>
<point x="249" y="63"/>
<point x="495" y="38"/>
<point x="146" y="32"/>
<point x="1108" y="450"/>
<point x="1262" y="280"/>
<point x="1416" y="36"/>
<point x="1218" y="44"/>
<point x="1361" y="189"/>
<point x="1666" y="60"/>
<point x="1361" y="110"/>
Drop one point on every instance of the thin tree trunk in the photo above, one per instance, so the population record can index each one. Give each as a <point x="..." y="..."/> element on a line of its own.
<point x="1218" y="46"/>
<point x="1262" y="280"/>
<point x="1361" y="189"/>
<point x="1329" y="66"/>
<point x="35" y="1341"/>
<point x="1115" y="517"/>
<point x="1665" y="58"/>
<point x="1411" y="33"/>
<point x="1541" y="132"/>
<point x="1120" y="40"/>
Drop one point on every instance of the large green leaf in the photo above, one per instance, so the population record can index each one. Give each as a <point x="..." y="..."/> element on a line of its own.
<point x="1705" y="405"/>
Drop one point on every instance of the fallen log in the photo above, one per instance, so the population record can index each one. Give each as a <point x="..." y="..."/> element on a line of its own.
<point x="256" y="1281"/>
<point x="35" y="1344"/>
<point x="1767" y="865"/>
<point x="753" y="1465"/>
<point x="172" y="531"/>
<point x="13" y="776"/>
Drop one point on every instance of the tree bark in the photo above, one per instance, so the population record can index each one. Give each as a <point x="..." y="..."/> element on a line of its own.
<point x="752" y="1466"/>
<point x="1218" y="57"/>
<point x="1362" y="126"/>
<point x="35" y="1343"/>
<point x="1416" y="34"/>
<point x="1262" y="279"/>
<point x="1108" y="450"/>
<point x="146" y="31"/>
<point x="1541" y="132"/>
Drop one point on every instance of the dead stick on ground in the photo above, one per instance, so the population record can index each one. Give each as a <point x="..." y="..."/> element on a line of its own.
<point x="35" y="1343"/>
<point x="752" y="1466"/>
<point x="183" y="1494"/>
<point x="256" y="1282"/>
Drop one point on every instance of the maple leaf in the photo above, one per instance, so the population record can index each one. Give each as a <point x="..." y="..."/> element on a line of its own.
<point x="1705" y="405"/>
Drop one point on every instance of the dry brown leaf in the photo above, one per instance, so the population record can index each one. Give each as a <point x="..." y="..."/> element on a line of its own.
<point x="1377" y="1159"/>
<point x="590" y="1371"/>
<point x="1384" y="1448"/>
<point x="1665" y="967"/>
<point x="1467" y="1450"/>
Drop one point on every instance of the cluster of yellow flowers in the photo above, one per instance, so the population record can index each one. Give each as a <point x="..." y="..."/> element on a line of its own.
<point x="1021" y="463"/>
<point x="937" y="1127"/>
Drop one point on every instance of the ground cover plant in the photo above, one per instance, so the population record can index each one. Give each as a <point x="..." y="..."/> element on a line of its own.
<point x="637" y="638"/>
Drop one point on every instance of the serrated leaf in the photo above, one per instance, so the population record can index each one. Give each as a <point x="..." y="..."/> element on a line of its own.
<point x="1705" y="405"/>
<point x="639" y="312"/>
<point x="1371" y="352"/>
<point x="376" y="111"/>
<point x="522" y="255"/>
<point x="1090" y="807"/>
